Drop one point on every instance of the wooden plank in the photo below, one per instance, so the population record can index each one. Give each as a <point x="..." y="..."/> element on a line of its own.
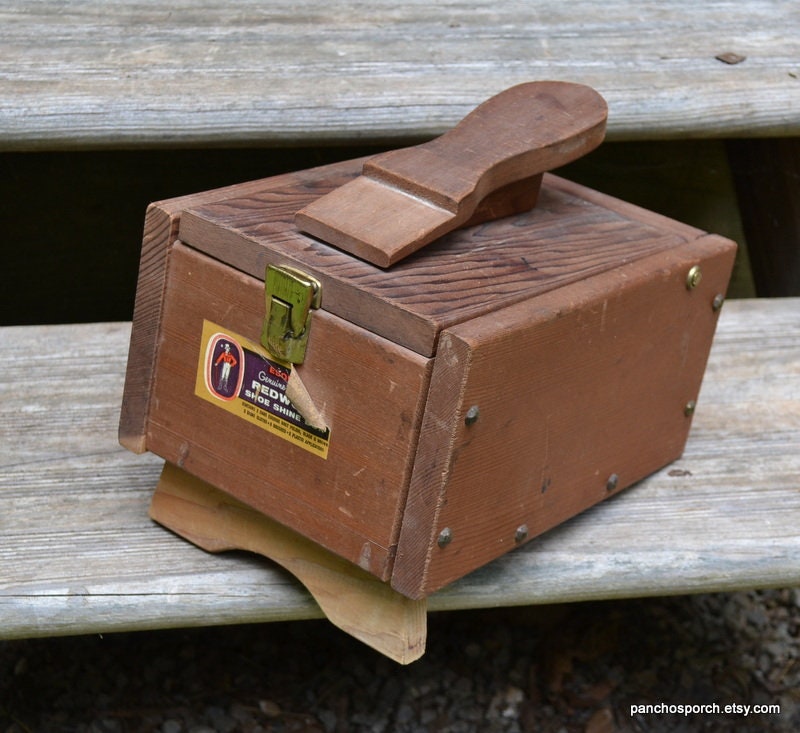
<point x="410" y="197"/>
<point x="374" y="391"/>
<point x="723" y="517"/>
<point x="160" y="230"/>
<point x="351" y="598"/>
<point x="200" y="71"/>
<point x="77" y="550"/>
<point x="573" y="387"/>
<point x="573" y="233"/>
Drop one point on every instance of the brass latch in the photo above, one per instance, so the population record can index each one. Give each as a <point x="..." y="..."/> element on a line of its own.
<point x="291" y="296"/>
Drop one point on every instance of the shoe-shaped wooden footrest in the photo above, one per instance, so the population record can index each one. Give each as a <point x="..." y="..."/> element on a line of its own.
<point x="350" y="598"/>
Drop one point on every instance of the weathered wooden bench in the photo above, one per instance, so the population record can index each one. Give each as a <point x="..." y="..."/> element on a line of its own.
<point x="94" y="75"/>
<point x="79" y="554"/>
<point x="77" y="551"/>
<point x="203" y="72"/>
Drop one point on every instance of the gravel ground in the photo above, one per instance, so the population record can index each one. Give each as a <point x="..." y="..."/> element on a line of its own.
<point x="571" y="668"/>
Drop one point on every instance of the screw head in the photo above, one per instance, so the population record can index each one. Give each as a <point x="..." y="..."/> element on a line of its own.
<point x="445" y="537"/>
<point x="613" y="482"/>
<point x="693" y="277"/>
<point x="472" y="415"/>
<point x="689" y="408"/>
<point x="716" y="304"/>
<point x="521" y="534"/>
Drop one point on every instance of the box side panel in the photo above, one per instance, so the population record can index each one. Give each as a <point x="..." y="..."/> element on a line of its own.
<point x="160" y="229"/>
<point x="370" y="392"/>
<point x="580" y="392"/>
<point x="161" y="224"/>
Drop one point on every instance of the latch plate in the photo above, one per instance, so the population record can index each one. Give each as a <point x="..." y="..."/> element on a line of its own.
<point x="291" y="295"/>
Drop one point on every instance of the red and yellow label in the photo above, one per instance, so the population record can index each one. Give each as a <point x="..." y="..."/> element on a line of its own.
<point x="240" y="377"/>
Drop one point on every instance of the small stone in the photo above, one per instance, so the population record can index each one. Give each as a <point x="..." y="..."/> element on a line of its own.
<point x="21" y="667"/>
<point x="107" y="725"/>
<point x="270" y="709"/>
<point x="601" y="722"/>
<point x="730" y="58"/>
<point x="473" y="650"/>
<point x="220" y="720"/>
<point x="405" y="713"/>
<point x="328" y="719"/>
<point x="513" y="699"/>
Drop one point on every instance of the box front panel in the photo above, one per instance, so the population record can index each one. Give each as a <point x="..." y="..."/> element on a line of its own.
<point x="230" y="425"/>
<point x="552" y="405"/>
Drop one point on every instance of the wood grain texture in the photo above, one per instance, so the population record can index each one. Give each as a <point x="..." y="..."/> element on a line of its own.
<point x="160" y="231"/>
<point x="572" y="233"/>
<point x="372" y="388"/>
<point x="370" y="391"/>
<point x="407" y="198"/>
<point x="352" y="599"/>
<point x="77" y="550"/>
<point x="200" y="71"/>
<point x="572" y="387"/>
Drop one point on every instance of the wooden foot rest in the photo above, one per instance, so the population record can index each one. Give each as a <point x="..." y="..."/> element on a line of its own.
<point x="352" y="599"/>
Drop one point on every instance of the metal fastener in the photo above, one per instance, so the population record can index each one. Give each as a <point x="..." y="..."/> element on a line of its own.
<point x="716" y="304"/>
<point x="472" y="415"/>
<point x="688" y="410"/>
<point x="613" y="482"/>
<point x="291" y="296"/>
<point x="445" y="537"/>
<point x="521" y="534"/>
<point x="694" y="277"/>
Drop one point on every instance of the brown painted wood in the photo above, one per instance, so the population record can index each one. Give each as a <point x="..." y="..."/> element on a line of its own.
<point x="580" y="392"/>
<point x="395" y="467"/>
<point x="370" y="391"/>
<point x="407" y="198"/>
<point x="160" y="232"/>
<point x="572" y="233"/>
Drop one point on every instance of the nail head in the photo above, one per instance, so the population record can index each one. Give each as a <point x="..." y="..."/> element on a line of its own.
<point x="693" y="278"/>
<point x="472" y="415"/>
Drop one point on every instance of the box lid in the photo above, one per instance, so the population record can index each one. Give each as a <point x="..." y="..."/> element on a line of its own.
<point x="572" y="233"/>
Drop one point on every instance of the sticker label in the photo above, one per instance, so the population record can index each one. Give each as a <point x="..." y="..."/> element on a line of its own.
<point x="238" y="376"/>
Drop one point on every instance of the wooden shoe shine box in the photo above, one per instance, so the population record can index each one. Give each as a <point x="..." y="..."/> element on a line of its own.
<point x="474" y="394"/>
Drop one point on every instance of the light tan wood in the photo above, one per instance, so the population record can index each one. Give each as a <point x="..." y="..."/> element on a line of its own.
<point x="124" y="73"/>
<point x="350" y="598"/>
<point x="407" y="198"/>
<point x="298" y="394"/>
<point x="78" y="553"/>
